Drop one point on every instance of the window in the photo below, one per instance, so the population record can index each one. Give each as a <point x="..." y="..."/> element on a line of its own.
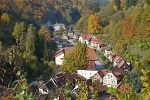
<point x="62" y="58"/>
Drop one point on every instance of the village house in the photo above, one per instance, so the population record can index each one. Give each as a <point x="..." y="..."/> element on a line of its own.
<point x="94" y="43"/>
<point x="113" y="77"/>
<point x="124" y="66"/>
<point x="101" y="45"/>
<point x="123" y="89"/>
<point x="87" y="73"/>
<point x="64" y="36"/>
<point x="86" y="38"/>
<point x="57" y="26"/>
<point x="116" y="61"/>
<point x="59" y="55"/>
<point x="60" y="40"/>
<point x="76" y="36"/>
<point x="112" y="57"/>
<point x="99" y="75"/>
<point x="108" y="51"/>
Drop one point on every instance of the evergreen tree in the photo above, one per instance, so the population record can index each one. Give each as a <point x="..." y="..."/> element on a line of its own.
<point x="96" y="8"/>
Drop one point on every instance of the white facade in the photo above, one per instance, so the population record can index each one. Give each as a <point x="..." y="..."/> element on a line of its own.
<point x="59" y="59"/>
<point x="87" y="73"/>
<point x="110" y="80"/>
<point x="58" y="25"/>
<point x="107" y="53"/>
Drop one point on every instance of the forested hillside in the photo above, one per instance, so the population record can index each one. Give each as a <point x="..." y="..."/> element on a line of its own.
<point x="25" y="43"/>
<point x="125" y="25"/>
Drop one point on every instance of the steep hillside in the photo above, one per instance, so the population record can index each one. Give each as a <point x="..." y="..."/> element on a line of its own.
<point x="125" y="26"/>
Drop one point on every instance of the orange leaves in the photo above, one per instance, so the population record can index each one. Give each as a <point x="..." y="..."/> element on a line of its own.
<point x="128" y="30"/>
<point x="94" y="26"/>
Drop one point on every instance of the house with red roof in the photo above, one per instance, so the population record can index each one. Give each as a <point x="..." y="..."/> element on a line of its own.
<point x="59" y="56"/>
<point x="108" y="51"/>
<point x="86" y="38"/>
<point x="94" y="42"/>
<point x="113" y="77"/>
<point x="116" y="61"/>
<point x="99" y="75"/>
<point x="112" y="56"/>
<point x="125" y="66"/>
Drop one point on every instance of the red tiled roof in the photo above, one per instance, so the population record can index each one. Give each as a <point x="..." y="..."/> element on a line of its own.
<point x="112" y="54"/>
<point x="68" y="76"/>
<point x="95" y="40"/>
<point x="59" y="52"/>
<point x="116" y="59"/>
<point x="91" y="53"/>
<point x="121" y="63"/>
<point x="104" y="47"/>
<point x="102" y="72"/>
<point x="77" y="76"/>
<point x="102" y="88"/>
<point x="118" y="73"/>
<point x="86" y="36"/>
<point x="123" y="88"/>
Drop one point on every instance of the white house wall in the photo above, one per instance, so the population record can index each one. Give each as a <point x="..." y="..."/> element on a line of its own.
<point x="87" y="73"/>
<point x="110" y="80"/>
<point x="59" y="59"/>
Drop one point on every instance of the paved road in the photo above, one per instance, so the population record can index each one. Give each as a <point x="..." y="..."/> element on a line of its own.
<point x="99" y="64"/>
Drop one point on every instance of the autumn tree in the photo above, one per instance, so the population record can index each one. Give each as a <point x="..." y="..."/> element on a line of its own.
<point x="19" y="33"/>
<point x="77" y="59"/>
<point x="128" y="30"/>
<point x="30" y="40"/>
<point x="94" y="26"/>
<point x="44" y="32"/>
<point x="5" y="19"/>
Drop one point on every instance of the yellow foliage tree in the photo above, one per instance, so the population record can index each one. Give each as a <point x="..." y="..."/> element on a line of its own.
<point x="5" y="19"/>
<point x="94" y="26"/>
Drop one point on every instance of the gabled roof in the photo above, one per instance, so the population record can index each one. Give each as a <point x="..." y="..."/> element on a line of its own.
<point x="102" y="72"/>
<point x="121" y="63"/>
<point x="112" y="54"/>
<point x="91" y="53"/>
<point x="104" y="47"/>
<point x="68" y="76"/>
<point x="95" y="40"/>
<point x="86" y="36"/>
<point x="123" y="88"/>
<point x="118" y="73"/>
<point x="117" y="58"/>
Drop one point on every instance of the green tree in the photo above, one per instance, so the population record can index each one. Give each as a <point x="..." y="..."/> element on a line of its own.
<point x="77" y="59"/>
<point x="30" y="40"/>
<point x="19" y="33"/>
<point x="5" y="19"/>
<point x="96" y="8"/>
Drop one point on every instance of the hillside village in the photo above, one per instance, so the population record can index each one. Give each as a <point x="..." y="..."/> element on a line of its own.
<point x="106" y="78"/>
